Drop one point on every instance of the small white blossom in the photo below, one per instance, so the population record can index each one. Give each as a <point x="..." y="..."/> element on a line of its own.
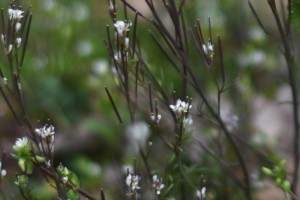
<point x="65" y="179"/>
<point x="21" y="142"/>
<point x="155" y="118"/>
<point x="201" y="193"/>
<point x="4" y="81"/>
<point x="15" y="14"/>
<point x="132" y="181"/>
<point x="208" y="49"/>
<point x="122" y="27"/>
<point x="3" y="171"/>
<point x="8" y="49"/>
<point x="126" y="43"/>
<point x="180" y="107"/>
<point x="3" y="39"/>
<point x="157" y="184"/>
<point x="138" y="134"/>
<point x="188" y="120"/>
<point x="18" y="26"/>
<point x="46" y="131"/>
<point x="18" y="42"/>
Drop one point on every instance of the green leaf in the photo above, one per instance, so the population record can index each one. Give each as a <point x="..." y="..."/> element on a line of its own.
<point x="72" y="195"/>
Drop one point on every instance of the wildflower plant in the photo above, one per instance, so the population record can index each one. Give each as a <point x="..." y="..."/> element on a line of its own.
<point x="157" y="122"/>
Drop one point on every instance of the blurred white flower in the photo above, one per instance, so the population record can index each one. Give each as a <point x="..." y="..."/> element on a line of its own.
<point x="157" y="184"/>
<point x="15" y="14"/>
<point x="8" y="49"/>
<point x="65" y="179"/>
<point x="208" y="49"/>
<point x="138" y="134"/>
<point x="21" y="142"/>
<point x="122" y="27"/>
<point x="81" y="10"/>
<point x="201" y="193"/>
<point x="46" y="131"/>
<point x="84" y="48"/>
<point x="99" y="67"/>
<point x="132" y="181"/>
<point x="126" y="43"/>
<point x="180" y="107"/>
<point x="18" y="26"/>
<point x="18" y="42"/>
<point x="187" y="121"/>
<point x="155" y="118"/>
<point x="3" y="171"/>
<point x="4" y="81"/>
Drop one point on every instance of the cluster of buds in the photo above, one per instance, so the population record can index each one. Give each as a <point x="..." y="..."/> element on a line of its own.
<point x="157" y="184"/>
<point x="133" y="183"/>
<point x="10" y="40"/>
<point x="63" y="173"/>
<point x="181" y="110"/>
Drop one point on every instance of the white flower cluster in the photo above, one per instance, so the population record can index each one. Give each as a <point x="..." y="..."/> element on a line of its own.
<point x="201" y="193"/>
<point x="208" y="49"/>
<point x="180" y="107"/>
<point x="132" y="181"/>
<point x="47" y="133"/>
<point x="157" y="184"/>
<point x="15" y="14"/>
<point x="3" y="171"/>
<point x="122" y="27"/>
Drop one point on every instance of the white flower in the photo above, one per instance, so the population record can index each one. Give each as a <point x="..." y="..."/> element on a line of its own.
<point x="65" y="179"/>
<point x="46" y="131"/>
<point x="18" y="42"/>
<point x="126" y="43"/>
<point x="3" y="171"/>
<point x="8" y="49"/>
<point x="132" y="181"/>
<point x="15" y="14"/>
<point x="138" y="134"/>
<point x="208" y="49"/>
<point x="201" y="193"/>
<point x="180" y="107"/>
<point x="122" y="27"/>
<point x="155" y="118"/>
<point x="157" y="184"/>
<point x="21" y="142"/>
<point x="18" y="26"/>
<point x="4" y="81"/>
<point x="188" y="120"/>
<point x="3" y="39"/>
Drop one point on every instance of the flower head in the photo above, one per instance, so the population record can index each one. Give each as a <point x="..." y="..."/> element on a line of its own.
<point x="46" y="131"/>
<point x="157" y="184"/>
<point x="122" y="27"/>
<point x="21" y="142"/>
<point x="132" y="181"/>
<point x="180" y="107"/>
<point x="15" y="14"/>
